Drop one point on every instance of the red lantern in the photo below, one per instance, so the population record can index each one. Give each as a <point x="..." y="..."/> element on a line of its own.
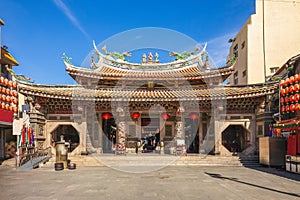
<point x="292" y="107"/>
<point x="296" y="87"/>
<point x="194" y="115"/>
<point x="287" y="90"/>
<point x="297" y="97"/>
<point x="15" y="100"/>
<point x="6" y="107"/>
<point x="135" y="115"/>
<point x="297" y="106"/>
<point x="287" y="81"/>
<point x="282" y="109"/>
<point x="15" y="109"/>
<point x="165" y="116"/>
<point x="287" y="108"/>
<point x="287" y="99"/>
<point x="291" y="89"/>
<point x="281" y="100"/>
<point x="296" y="78"/>
<point x="10" y="83"/>
<point x="292" y="79"/>
<point x="5" y="81"/>
<point x="7" y="91"/>
<point x="292" y="98"/>
<point x="15" y="93"/>
<point x="106" y="116"/>
<point x="11" y="93"/>
<point x="3" y="90"/>
<point x="282" y="92"/>
<point x="8" y="98"/>
<point x="1" y="80"/>
<point x="282" y="83"/>
<point x="3" y="97"/>
<point x="14" y="84"/>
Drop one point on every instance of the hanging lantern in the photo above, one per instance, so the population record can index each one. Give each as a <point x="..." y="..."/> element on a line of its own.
<point x="11" y="93"/>
<point x="1" y="80"/>
<point x="287" y="108"/>
<point x="3" y="97"/>
<point x="106" y="116"/>
<point x="287" y="90"/>
<point x="292" y="108"/>
<point x="3" y="90"/>
<point x="6" y="107"/>
<point x="287" y="81"/>
<point x="15" y="93"/>
<point x="291" y="89"/>
<point x="8" y="98"/>
<point x="15" y="109"/>
<point x="296" y="87"/>
<point x="5" y="81"/>
<point x="287" y="99"/>
<point x="281" y="100"/>
<point x="282" y="83"/>
<point x="194" y="115"/>
<point x="297" y="97"/>
<point x="297" y="106"/>
<point x="292" y="79"/>
<point x="135" y="115"/>
<point x="282" y="109"/>
<point x="165" y="116"/>
<point x="282" y="92"/>
<point x="292" y="98"/>
<point x="14" y="84"/>
<point x="10" y="83"/>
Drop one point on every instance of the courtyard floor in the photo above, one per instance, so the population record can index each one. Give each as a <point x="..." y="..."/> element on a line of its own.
<point x="173" y="182"/>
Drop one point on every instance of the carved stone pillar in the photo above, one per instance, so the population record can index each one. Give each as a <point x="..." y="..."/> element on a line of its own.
<point x="179" y="129"/>
<point x="121" y="126"/>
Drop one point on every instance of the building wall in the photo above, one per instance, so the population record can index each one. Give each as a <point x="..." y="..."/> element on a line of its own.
<point x="281" y="40"/>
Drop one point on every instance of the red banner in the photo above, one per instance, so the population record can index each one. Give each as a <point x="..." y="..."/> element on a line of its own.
<point x="6" y="116"/>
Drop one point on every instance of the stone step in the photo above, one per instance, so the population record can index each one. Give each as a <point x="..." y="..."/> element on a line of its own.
<point x="150" y="160"/>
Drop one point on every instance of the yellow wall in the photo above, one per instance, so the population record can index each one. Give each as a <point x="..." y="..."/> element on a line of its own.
<point x="282" y="39"/>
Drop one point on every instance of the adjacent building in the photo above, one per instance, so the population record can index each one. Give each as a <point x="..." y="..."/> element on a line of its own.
<point x="268" y="38"/>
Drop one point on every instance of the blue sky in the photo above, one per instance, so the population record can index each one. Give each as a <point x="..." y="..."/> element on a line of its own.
<point x="38" y="32"/>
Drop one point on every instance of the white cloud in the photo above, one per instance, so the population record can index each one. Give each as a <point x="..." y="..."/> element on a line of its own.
<point x="218" y="49"/>
<point x="71" y="17"/>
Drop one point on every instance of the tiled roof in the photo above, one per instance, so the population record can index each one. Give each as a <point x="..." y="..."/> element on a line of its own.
<point x="117" y="94"/>
<point x="190" y="72"/>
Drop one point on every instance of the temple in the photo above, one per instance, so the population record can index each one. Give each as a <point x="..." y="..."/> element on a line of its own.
<point x="148" y="107"/>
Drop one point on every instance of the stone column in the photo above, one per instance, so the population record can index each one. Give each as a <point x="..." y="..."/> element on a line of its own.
<point x="121" y="126"/>
<point x="179" y="128"/>
<point x="100" y="136"/>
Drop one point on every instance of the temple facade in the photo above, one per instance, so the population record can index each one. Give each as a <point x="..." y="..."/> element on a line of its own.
<point x="148" y="107"/>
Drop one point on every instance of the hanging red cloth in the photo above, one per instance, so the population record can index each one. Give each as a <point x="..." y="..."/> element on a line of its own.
<point x="23" y="135"/>
<point x="29" y="135"/>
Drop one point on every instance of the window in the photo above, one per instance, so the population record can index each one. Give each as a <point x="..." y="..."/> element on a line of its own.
<point x="244" y="73"/>
<point x="273" y="69"/>
<point x="243" y="45"/>
<point x="235" y="51"/>
<point x="236" y="79"/>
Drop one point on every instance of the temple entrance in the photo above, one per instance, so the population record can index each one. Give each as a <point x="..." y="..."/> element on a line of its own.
<point x="192" y="135"/>
<point x="109" y="135"/>
<point x="234" y="138"/>
<point x="150" y="134"/>
<point x="70" y="134"/>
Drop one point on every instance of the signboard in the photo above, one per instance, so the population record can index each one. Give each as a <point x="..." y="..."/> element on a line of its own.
<point x="6" y="116"/>
<point x="17" y="126"/>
